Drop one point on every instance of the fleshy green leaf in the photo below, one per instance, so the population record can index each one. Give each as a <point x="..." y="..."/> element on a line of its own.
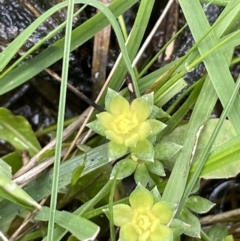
<point x="17" y="131"/>
<point x="124" y="168"/>
<point x="141" y="108"/>
<point x="141" y="197"/>
<point x="149" y="98"/>
<point x="194" y="224"/>
<point x="156" y="194"/>
<point x="163" y="233"/>
<point x="128" y="233"/>
<point x="156" y="167"/>
<point x="141" y="174"/>
<point x="105" y="119"/>
<point x="80" y="227"/>
<point x="116" y="151"/>
<point x="164" y="150"/>
<point x="143" y="150"/>
<point x="163" y="211"/>
<point x="122" y="214"/>
<point x="156" y="126"/>
<point x="178" y="227"/>
<point x="115" y="103"/>
<point x="97" y="127"/>
<point x="199" y="204"/>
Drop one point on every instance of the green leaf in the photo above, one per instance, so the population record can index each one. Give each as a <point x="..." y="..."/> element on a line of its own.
<point x="223" y="162"/>
<point x="218" y="232"/>
<point x="156" y="167"/>
<point x="114" y="101"/>
<point x="143" y="150"/>
<point x="178" y="227"/>
<point x="165" y="150"/>
<point x="156" y="126"/>
<point x="41" y="187"/>
<point x="116" y="151"/>
<point x="5" y="169"/>
<point x="124" y="168"/>
<point x="84" y="148"/>
<point x="17" y="131"/>
<point x="158" y="113"/>
<point x="14" y="160"/>
<point x="199" y="204"/>
<point x="53" y="53"/>
<point x="226" y="133"/>
<point x="141" y="174"/>
<point x="80" y="227"/>
<point x="149" y="99"/>
<point x="194" y="224"/>
<point x="97" y="127"/>
<point x="76" y="174"/>
<point x="156" y="194"/>
<point x="11" y="191"/>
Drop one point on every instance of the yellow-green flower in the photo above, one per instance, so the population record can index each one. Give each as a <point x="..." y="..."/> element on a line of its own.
<point x="127" y="125"/>
<point x="144" y="219"/>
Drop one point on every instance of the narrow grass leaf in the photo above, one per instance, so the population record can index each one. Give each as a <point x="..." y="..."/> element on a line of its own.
<point x="53" y="53"/>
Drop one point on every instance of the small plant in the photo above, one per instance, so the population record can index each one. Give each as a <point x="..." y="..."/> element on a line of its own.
<point x="145" y="219"/>
<point x="127" y="126"/>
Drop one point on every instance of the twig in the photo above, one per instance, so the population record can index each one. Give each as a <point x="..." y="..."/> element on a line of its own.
<point x="76" y="91"/>
<point x="130" y="88"/>
<point x="66" y="133"/>
<point x="28" y="218"/>
<point x="3" y="237"/>
<point x="140" y="52"/>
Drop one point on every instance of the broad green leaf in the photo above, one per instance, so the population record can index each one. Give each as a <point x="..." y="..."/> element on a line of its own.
<point x="124" y="168"/>
<point x="80" y="227"/>
<point x="199" y="204"/>
<point x="17" y="131"/>
<point x="223" y="162"/>
<point x="194" y="228"/>
<point x="226" y="133"/>
<point x="11" y="191"/>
